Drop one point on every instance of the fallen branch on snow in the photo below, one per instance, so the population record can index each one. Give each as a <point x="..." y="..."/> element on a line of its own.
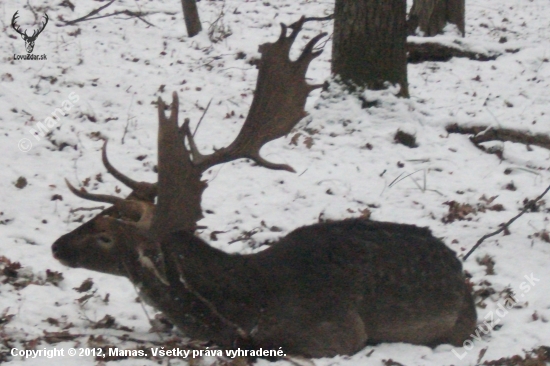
<point x="485" y="133"/>
<point x="431" y="51"/>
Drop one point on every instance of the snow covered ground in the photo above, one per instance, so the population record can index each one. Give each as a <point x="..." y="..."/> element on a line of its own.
<point x="107" y="72"/>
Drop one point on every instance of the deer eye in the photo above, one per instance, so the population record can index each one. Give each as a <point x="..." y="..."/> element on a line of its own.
<point x="104" y="240"/>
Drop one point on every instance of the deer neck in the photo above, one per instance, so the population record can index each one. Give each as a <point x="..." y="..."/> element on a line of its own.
<point x="195" y="286"/>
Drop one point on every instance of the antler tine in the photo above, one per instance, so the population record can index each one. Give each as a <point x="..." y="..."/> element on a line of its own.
<point x="94" y="197"/>
<point x="141" y="190"/>
<point x="269" y="165"/>
<point x="297" y="27"/>
<point x="128" y="182"/>
<point x="140" y="211"/>
<point x="283" y="31"/>
<point x="308" y="49"/>
<point x="287" y="41"/>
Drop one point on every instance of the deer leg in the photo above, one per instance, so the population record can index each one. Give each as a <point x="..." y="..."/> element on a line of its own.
<point x="340" y="337"/>
<point x="339" y="334"/>
<point x="466" y="321"/>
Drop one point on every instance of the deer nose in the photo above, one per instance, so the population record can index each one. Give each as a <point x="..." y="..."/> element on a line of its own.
<point x="55" y="249"/>
<point x="59" y="250"/>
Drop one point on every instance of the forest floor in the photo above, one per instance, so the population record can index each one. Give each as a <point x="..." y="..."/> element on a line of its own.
<point x="107" y="73"/>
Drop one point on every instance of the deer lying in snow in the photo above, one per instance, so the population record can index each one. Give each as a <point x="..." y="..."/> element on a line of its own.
<point x="322" y="290"/>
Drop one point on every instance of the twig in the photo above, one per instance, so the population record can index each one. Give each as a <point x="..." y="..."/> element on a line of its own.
<point x="423" y="189"/>
<point x="528" y="205"/>
<point x="125" y="131"/>
<point x="325" y="41"/>
<point x="395" y="181"/>
<point x="247" y="235"/>
<point x="203" y="114"/>
<point x="87" y="209"/>
<point x="138" y="15"/>
<point x="93" y="12"/>
<point x="129" y="13"/>
<point x="135" y="14"/>
<point x="127" y="121"/>
<point x="219" y="28"/>
<point x="319" y="19"/>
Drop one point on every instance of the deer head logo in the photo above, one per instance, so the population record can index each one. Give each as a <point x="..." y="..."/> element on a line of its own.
<point x="29" y="40"/>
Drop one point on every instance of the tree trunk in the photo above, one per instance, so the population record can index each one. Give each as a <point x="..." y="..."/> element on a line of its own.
<point x="369" y="43"/>
<point x="191" y="17"/>
<point x="431" y="16"/>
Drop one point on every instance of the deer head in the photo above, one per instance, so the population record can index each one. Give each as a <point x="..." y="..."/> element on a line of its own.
<point x="277" y="106"/>
<point x="93" y="245"/>
<point x="29" y="40"/>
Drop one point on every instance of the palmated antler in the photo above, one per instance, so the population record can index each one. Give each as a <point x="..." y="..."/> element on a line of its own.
<point x="179" y="180"/>
<point x="277" y="106"/>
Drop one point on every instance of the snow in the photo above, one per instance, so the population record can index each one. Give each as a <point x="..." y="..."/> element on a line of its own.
<point x="116" y="67"/>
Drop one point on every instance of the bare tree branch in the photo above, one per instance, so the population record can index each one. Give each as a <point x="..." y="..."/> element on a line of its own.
<point x="134" y="14"/>
<point x="93" y="12"/>
<point x="318" y="19"/>
<point x="528" y="205"/>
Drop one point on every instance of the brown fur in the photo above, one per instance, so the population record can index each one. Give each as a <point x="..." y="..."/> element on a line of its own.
<point x="322" y="290"/>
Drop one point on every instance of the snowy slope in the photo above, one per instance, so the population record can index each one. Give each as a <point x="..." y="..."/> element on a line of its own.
<point x="107" y="73"/>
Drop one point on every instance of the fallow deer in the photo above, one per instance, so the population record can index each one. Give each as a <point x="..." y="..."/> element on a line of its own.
<point x="322" y="290"/>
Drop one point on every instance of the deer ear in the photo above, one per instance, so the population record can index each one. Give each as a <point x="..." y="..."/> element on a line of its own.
<point x="103" y="223"/>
